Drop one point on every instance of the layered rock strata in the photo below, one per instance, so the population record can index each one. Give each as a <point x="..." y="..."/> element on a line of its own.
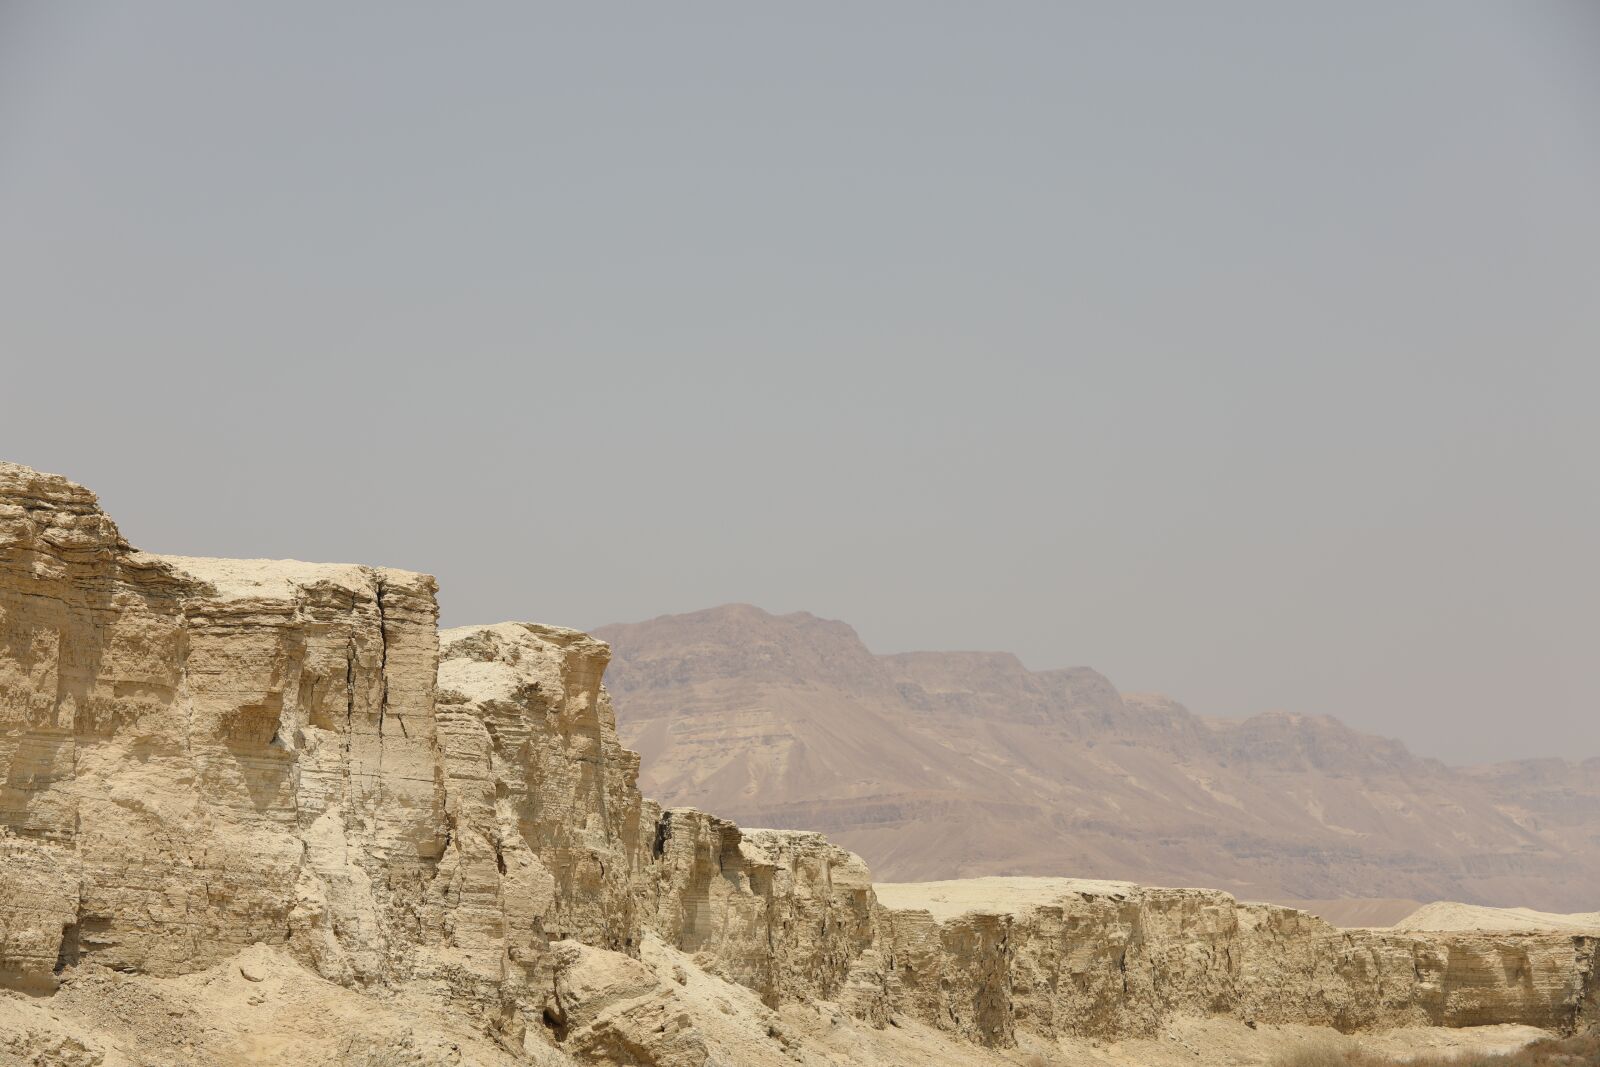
<point x="1112" y="960"/>
<point x="200" y="756"/>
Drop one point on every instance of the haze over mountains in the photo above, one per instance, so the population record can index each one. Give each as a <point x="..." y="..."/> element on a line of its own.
<point x="940" y="765"/>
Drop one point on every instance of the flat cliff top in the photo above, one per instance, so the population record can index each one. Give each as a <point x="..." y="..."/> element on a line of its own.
<point x="1360" y="913"/>
<point x="1446" y="916"/>
<point x="1009" y="895"/>
<point x="996" y="895"/>
<point x="271" y="579"/>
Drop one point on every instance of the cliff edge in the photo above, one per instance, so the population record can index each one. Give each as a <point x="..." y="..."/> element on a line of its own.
<point x="275" y="788"/>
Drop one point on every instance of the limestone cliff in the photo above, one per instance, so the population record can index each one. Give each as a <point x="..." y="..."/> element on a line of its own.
<point x="207" y="757"/>
<point x="1097" y="958"/>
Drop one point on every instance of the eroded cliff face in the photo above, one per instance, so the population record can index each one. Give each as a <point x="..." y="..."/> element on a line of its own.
<point x="201" y="756"/>
<point x="1107" y="960"/>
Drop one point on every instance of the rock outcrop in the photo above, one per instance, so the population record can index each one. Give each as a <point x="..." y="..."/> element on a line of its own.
<point x="1097" y="959"/>
<point x="203" y="758"/>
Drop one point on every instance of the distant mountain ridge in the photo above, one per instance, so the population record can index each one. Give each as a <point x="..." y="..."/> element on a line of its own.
<point x="940" y="765"/>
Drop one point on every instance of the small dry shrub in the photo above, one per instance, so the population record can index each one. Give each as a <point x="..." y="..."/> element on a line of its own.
<point x="1321" y="1053"/>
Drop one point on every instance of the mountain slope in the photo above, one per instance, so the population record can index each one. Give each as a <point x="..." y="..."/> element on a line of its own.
<point x="942" y="765"/>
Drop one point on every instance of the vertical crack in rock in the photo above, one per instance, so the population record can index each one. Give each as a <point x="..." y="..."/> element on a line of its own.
<point x="554" y="1015"/>
<point x="1586" y="1008"/>
<point x="383" y="658"/>
<point x="663" y="835"/>
<point x="349" y="692"/>
<point x="71" y="943"/>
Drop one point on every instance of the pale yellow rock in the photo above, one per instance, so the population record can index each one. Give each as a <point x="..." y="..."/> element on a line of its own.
<point x="1004" y="896"/>
<point x="1107" y="958"/>
<point x="1448" y="916"/>
<point x="263" y="811"/>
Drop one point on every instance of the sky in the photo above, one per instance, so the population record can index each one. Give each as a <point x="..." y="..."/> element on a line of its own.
<point x="1248" y="352"/>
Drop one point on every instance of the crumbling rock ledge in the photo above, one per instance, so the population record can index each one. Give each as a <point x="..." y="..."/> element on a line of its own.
<point x="1108" y="959"/>
<point x="201" y="756"/>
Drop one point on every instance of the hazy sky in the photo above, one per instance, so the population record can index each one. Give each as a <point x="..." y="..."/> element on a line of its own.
<point x="1244" y="351"/>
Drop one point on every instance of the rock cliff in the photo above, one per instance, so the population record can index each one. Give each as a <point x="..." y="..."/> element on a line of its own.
<point x="1098" y="958"/>
<point x="287" y="766"/>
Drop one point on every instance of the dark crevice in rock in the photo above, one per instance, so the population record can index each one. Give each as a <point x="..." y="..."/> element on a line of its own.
<point x="349" y="692"/>
<point x="383" y="654"/>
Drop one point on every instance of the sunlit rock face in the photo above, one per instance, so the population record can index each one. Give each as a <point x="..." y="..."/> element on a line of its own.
<point x="210" y="753"/>
<point x="202" y="757"/>
<point x="1098" y="959"/>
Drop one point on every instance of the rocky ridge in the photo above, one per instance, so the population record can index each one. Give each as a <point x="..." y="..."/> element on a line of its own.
<point x="938" y="765"/>
<point x="278" y="785"/>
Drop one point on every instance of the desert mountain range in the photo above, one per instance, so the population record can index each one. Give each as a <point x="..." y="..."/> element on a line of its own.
<point x="937" y="765"/>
